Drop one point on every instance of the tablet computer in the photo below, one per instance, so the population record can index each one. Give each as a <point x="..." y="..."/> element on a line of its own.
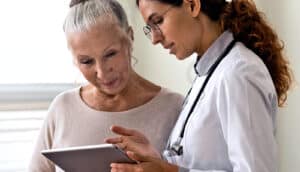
<point x="92" y="158"/>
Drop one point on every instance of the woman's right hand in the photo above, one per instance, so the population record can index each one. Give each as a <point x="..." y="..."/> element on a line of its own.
<point x="132" y="140"/>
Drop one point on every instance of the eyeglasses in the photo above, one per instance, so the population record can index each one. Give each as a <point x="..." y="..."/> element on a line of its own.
<point x="152" y="27"/>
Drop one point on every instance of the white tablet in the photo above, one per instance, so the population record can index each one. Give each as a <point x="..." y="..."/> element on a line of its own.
<point x="92" y="158"/>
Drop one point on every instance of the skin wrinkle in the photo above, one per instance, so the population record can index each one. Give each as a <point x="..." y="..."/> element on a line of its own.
<point x="94" y="44"/>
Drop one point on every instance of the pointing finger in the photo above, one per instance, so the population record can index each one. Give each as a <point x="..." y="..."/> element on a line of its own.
<point x="122" y="131"/>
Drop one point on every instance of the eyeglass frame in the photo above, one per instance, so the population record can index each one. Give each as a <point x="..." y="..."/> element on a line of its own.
<point x="150" y="27"/>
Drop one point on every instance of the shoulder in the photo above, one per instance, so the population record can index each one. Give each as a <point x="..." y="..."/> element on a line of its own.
<point x="66" y="98"/>
<point x="170" y="97"/>
<point x="62" y="104"/>
<point x="242" y="62"/>
<point x="241" y="56"/>
<point x="243" y="70"/>
<point x="167" y="104"/>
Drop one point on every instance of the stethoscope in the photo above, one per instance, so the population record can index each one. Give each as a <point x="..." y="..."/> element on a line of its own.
<point x="176" y="148"/>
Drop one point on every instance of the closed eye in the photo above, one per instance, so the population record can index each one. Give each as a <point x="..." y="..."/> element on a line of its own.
<point x="110" y="54"/>
<point x="86" y="61"/>
<point x="158" y="21"/>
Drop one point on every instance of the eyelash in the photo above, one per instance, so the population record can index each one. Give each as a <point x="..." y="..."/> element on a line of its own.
<point x="110" y="54"/>
<point x="86" y="61"/>
<point x="159" y="21"/>
<point x="90" y="61"/>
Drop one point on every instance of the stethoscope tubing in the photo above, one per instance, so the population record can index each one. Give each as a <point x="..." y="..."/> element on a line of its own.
<point x="177" y="147"/>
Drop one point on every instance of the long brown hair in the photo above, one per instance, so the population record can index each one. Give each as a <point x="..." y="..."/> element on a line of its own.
<point x="249" y="26"/>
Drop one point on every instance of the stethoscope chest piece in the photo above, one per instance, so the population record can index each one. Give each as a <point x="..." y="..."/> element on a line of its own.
<point x="175" y="150"/>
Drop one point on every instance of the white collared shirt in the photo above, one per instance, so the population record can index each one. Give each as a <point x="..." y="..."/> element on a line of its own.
<point x="232" y="128"/>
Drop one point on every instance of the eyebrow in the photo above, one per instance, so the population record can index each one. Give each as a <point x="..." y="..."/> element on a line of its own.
<point x="104" y="50"/>
<point x="81" y="57"/>
<point x="155" y="13"/>
<point x="111" y="45"/>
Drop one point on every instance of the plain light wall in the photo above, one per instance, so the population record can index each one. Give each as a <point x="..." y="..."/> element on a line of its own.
<point x="157" y="65"/>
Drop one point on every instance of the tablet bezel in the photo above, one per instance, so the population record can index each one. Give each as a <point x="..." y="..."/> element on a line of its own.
<point x="87" y="158"/>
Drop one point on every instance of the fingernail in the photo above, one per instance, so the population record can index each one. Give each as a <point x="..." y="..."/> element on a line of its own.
<point x="130" y="152"/>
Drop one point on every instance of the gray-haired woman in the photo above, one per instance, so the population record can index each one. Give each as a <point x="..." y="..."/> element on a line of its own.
<point x="100" y="41"/>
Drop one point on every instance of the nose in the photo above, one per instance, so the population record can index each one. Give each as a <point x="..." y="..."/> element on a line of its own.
<point x="101" y="70"/>
<point x="156" y="36"/>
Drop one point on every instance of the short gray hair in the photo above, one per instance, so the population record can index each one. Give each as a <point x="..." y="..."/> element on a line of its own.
<point x="88" y="13"/>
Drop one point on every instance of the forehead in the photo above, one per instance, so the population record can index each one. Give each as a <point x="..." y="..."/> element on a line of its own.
<point x="150" y="8"/>
<point x="98" y="35"/>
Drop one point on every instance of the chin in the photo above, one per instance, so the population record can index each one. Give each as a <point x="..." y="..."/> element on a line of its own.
<point x="181" y="56"/>
<point x="115" y="90"/>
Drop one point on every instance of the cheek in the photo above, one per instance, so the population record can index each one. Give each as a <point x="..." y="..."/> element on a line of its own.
<point x="87" y="73"/>
<point x="174" y="27"/>
<point x="121" y="66"/>
<point x="125" y="70"/>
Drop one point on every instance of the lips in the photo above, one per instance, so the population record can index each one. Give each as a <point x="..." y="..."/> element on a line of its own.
<point x="168" y="46"/>
<point x="110" y="83"/>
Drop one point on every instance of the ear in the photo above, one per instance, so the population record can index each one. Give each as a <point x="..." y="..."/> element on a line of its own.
<point x="193" y="6"/>
<point x="130" y="33"/>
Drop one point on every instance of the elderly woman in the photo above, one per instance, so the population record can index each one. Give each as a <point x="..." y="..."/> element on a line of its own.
<point x="100" y="41"/>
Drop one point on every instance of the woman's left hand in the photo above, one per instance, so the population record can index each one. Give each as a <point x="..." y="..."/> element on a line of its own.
<point x="145" y="164"/>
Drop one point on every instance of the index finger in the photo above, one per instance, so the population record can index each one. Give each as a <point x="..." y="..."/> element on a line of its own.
<point x="123" y="131"/>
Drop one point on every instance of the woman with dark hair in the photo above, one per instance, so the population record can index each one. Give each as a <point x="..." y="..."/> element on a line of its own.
<point x="228" y="119"/>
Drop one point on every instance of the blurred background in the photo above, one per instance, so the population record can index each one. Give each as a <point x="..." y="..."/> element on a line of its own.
<point x="35" y="66"/>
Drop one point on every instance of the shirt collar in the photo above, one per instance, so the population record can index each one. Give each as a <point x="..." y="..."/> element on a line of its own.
<point x="204" y="62"/>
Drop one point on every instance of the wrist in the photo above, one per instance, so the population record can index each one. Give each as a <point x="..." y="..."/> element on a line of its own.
<point x="171" y="168"/>
<point x="154" y="153"/>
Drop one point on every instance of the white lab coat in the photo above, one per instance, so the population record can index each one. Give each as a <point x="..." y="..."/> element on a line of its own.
<point x="232" y="128"/>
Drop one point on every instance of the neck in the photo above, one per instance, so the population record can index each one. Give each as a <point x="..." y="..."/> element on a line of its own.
<point x="133" y="84"/>
<point x="210" y="32"/>
<point x="137" y="92"/>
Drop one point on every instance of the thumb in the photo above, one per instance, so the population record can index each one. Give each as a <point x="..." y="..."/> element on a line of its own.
<point x="137" y="157"/>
